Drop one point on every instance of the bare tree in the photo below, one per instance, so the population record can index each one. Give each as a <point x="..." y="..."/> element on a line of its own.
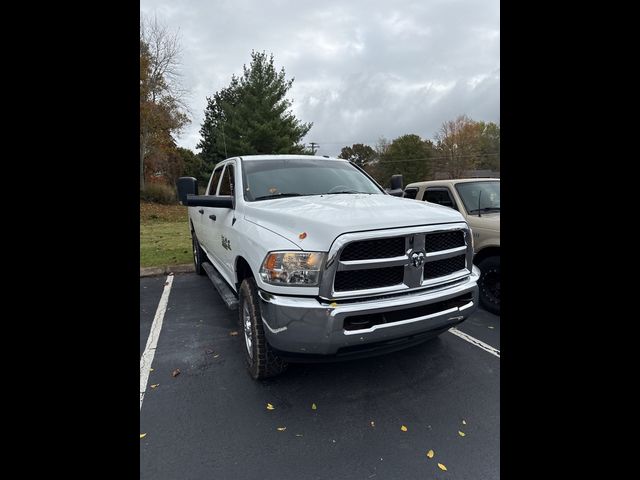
<point x="163" y="108"/>
<point x="459" y="143"/>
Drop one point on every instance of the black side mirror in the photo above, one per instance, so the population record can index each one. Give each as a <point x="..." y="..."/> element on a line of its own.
<point x="396" y="182"/>
<point x="186" y="186"/>
<point x="396" y="186"/>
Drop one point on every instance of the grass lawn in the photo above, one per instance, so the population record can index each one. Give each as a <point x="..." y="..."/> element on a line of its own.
<point x="164" y="235"/>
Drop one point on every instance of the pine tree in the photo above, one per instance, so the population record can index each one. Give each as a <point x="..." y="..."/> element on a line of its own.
<point x="251" y="116"/>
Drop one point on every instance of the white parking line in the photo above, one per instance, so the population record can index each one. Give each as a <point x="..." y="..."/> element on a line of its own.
<point x="152" y="341"/>
<point x="475" y="341"/>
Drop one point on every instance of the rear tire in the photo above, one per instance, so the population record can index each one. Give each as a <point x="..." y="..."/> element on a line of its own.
<point x="199" y="257"/>
<point x="261" y="360"/>
<point x="489" y="284"/>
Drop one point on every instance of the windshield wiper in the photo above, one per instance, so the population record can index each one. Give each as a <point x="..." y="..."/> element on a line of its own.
<point x="345" y="191"/>
<point x="279" y="195"/>
<point x="484" y="209"/>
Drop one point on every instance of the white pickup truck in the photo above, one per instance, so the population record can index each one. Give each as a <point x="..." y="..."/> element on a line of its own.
<point x="322" y="263"/>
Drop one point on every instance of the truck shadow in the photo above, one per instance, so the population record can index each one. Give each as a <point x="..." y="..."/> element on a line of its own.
<point x="428" y="365"/>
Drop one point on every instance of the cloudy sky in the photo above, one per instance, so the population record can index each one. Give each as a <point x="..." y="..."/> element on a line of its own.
<point x="363" y="69"/>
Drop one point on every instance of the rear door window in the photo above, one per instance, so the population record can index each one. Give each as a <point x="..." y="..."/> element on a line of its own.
<point x="215" y="179"/>
<point x="226" y="186"/>
<point x="441" y="196"/>
<point x="410" y="193"/>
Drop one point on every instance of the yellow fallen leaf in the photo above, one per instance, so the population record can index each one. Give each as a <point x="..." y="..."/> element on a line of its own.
<point x="462" y="434"/>
<point x="373" y="424"/>
<point x="463" y="422"/>
<point x="270" y="407"/>
<point x="233" y="333"/>
<point x="491" y="327"/>
<point x="403" y="428"/>
<point x="442" y="467"/>
<point x="281" y="429"/>
<point x="333" y="304"/>
<point x="430" y="454"/>
<point x="151" y="369"/>
<point x="142" y="435"/>
<point x="313" y="406"/>
<point x="155" y="386"/>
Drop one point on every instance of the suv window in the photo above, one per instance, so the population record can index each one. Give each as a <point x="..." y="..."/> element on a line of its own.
<point x="226" y="186"/>
<point x="215" y="178"/>
<point x="410" y="193"/>
<point x="441" y="196"/>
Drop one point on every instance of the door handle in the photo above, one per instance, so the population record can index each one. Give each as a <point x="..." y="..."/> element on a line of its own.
<point x="201" y="211"/>
<point x="212" y="217"/>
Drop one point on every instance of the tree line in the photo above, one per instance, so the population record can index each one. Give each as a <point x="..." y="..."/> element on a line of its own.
<point x="461" y="145"/>
<point x="252" y="115"/>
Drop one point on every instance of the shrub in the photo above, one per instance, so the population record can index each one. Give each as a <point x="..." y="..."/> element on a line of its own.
<point x="158" y="193"/>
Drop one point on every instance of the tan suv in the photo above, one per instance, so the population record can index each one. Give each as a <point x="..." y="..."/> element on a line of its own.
<point x="478" y="200"/>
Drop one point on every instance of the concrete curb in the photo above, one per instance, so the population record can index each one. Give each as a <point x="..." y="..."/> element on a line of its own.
<point x="155" y="271"/>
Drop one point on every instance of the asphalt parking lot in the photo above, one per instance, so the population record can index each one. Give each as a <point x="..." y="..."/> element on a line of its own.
<point x="211" y="421"/>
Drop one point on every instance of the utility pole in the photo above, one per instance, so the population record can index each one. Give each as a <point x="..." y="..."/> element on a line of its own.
<point x="313" y="147"/>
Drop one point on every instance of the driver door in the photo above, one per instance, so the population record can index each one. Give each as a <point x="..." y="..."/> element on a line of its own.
<point x="202" y="224"/>
<point x="226" y="238"/>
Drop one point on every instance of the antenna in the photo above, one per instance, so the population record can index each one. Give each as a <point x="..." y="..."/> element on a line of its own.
<point x="479" y="197"/>
<point x="313" y="147"/>
<point x="224" y="141"/>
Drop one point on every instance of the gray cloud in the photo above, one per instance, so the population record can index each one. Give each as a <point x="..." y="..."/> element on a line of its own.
<point x="363" y="69"/>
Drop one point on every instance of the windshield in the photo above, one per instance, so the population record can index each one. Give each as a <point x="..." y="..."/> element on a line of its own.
<point x="267" y="179"/>
<point x="470" y="192"/>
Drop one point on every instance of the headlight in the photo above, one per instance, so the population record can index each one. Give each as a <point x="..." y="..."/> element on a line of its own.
<point x="292" y="268"/>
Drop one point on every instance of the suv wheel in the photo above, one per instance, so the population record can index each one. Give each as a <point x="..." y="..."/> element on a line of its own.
<point x="489" y="284"/>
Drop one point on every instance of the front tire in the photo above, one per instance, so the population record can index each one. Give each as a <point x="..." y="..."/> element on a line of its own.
<point x="198" y="254"/>
<point x="261" y="360"/>
<point x="489" y="284"/>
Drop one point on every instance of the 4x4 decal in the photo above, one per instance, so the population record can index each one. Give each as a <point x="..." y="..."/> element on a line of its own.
<point x="226" y="243"/>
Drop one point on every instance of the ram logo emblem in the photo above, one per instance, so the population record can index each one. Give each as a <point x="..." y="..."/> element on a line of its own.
<point x="417" y="259"/>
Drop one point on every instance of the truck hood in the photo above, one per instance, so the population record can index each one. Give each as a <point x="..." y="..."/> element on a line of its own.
<point x="488" y="221"/>
<point x="325" y="217"/>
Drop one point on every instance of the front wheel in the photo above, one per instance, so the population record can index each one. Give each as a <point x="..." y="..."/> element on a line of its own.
<point x="262" y="361"/>
<point x="489" y="284"/>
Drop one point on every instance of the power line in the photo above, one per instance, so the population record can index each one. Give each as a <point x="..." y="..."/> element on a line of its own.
<point x="438" y="158"/>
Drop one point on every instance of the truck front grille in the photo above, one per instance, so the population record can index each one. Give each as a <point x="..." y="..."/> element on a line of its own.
<point x="440" y="268"/>
<point x="420" y="257"/>
<point x="373" y="278"/>
<point x="381" y="248"/>
<point x="435" y="242"/>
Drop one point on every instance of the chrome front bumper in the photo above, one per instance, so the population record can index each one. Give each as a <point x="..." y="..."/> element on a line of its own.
<point x="303" y="325"/>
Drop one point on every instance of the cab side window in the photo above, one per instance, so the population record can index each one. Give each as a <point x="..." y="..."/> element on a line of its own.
<point x="215" y="178"/>
<point x="226" y="186"/>
<point x="410" y="193"/>
<point x="441" y="196"/>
